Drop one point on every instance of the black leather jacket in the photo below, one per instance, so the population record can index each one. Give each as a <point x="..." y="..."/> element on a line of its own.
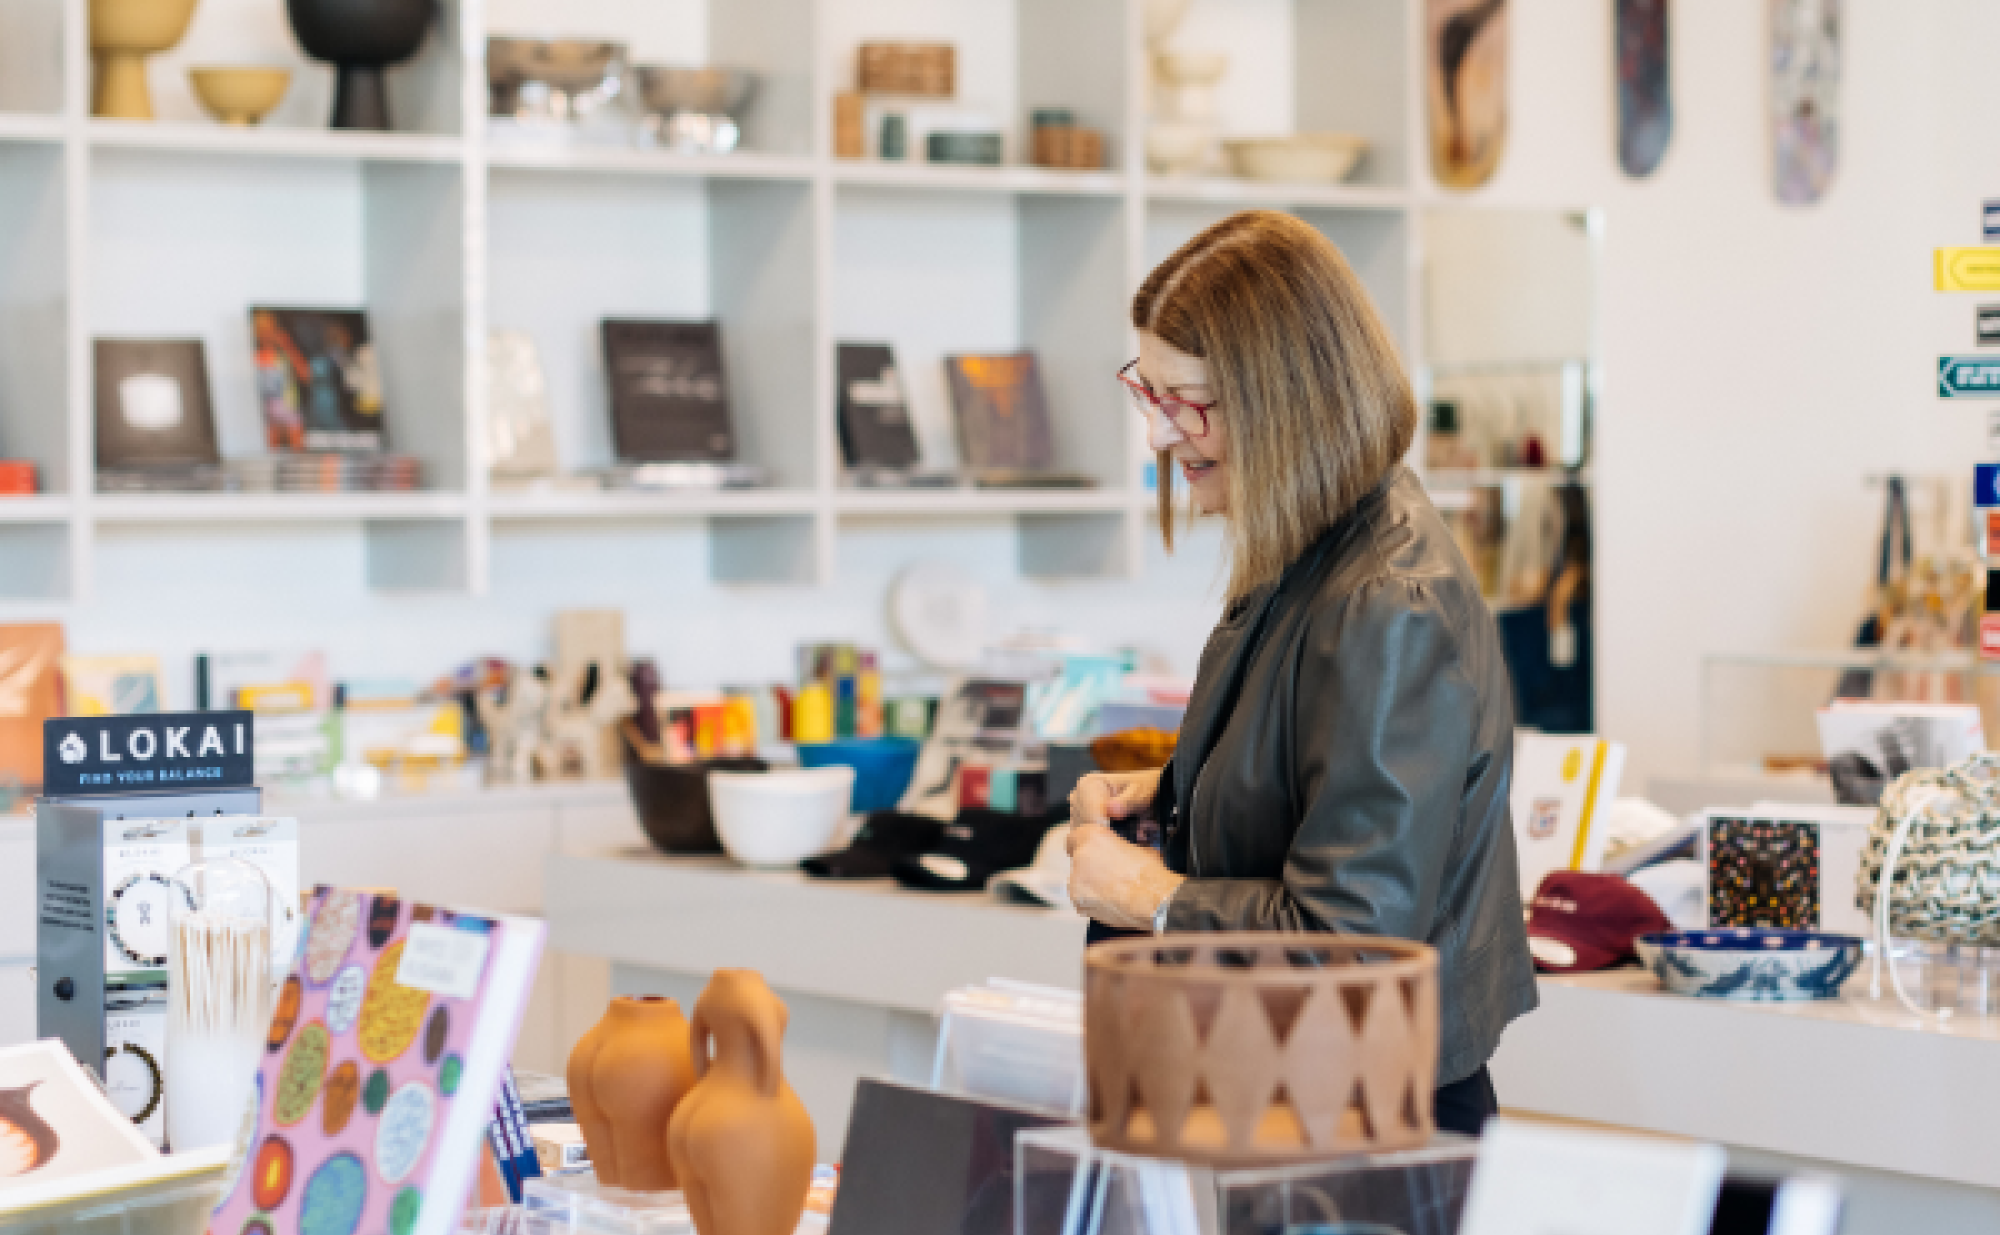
<point x="1345" y="761"/>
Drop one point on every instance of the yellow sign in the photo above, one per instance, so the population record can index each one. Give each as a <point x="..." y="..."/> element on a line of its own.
<point x="1968" y="270"/>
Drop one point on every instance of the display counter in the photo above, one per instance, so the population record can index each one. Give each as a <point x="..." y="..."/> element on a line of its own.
<point x="1852" y="1081"/>
<point x="863" y="965"/>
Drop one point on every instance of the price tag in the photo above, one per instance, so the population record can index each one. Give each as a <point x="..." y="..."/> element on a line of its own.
<point x="1533" y="1179"/>
<point x="443" y="960"/>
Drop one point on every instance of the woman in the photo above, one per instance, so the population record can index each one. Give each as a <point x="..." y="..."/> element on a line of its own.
<point x="1345" y="758"/>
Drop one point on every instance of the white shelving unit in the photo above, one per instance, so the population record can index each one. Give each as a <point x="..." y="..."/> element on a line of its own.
<point x="446" y="231"/>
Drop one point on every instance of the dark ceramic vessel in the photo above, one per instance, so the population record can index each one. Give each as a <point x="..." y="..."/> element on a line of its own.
<point x="360" y="38"/>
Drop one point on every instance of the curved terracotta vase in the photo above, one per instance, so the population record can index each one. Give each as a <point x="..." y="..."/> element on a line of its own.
<point x="626" y="1077"/>
<point x="742" y="1142"/>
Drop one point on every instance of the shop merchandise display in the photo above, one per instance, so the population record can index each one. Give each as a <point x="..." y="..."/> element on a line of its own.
<point x="1578" y="922"/>
<point x="1867" y="745"/>
<point x="1562" y="786"/>
<point x="1643" y="49"/>
<point x="520" y="437"/>
<point x="1806" y="66"/>
<point x="874" y="412"/>
<point x="1348" y="1027"/>
<point x="56" y="1127"/>
<point x="883" y="839"/>
<point x="1300" y="158"/>
<point x="1751" y="964"/>
<point x="240" y="96"/>
<point x="1013" y="1042"/>
<point x="319" y="379"/>
<point x="1466" y="88"/>
<point x="1044" y="881"/>
<point x="1793" y="867"/>
<point x="153" y="413"/>
<point x="1931" y="868"/>
<point x="552" y="81"/>
<point x="627" y="1073"/>
<point x="19" y="478"/>
<point x="975" y="846"/>
<point x="361" y="39"/>
<point x="1002" y="413"/>
<point x="110" y="685"/>
<point x="122" y="34"/>
<point x="376" y="1093"/>
<point x="669" y="400"/>
<point x="693" y="110"/>
<point x="741" y="1140"/>
<point x="773" y="819"/>
<point x="1056" y="140"/>
<point x="30" y="661"/>
<point x="219" y="984"/>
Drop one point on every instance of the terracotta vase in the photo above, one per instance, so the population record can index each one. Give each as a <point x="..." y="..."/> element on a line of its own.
<point x="742" y="1142"/>
<point x="626" y="1077"/>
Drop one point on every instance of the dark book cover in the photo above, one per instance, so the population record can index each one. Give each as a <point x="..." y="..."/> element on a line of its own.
<point x="1003" y="414"/>
<point x="669" y="399"/>
<point x="153" y="408"/>
<point x="319" y="380"/>
<point x="874" y="413"/>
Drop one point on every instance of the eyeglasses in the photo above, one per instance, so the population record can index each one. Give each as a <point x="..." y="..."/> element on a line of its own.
<point x="1190" y="418"/>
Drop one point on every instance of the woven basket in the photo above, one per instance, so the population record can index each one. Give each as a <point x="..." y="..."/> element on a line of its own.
<point x="1945" y="882"/>
<point x="1260" y="1049"/>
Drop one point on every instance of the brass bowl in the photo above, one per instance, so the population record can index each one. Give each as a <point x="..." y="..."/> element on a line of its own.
<point x="239" y="96"/>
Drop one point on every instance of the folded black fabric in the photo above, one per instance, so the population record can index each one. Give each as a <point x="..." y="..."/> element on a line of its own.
<point x="885" y="836"/>
<point x="976" y="846"/>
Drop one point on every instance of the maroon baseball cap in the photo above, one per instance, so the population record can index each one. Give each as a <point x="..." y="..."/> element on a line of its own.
<point x="1579" y="921"/>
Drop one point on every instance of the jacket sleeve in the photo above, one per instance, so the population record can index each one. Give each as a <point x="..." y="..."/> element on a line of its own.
<point x="1384" y="718"/>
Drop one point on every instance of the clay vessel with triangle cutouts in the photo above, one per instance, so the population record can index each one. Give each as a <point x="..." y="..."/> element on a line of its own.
<point x="742" y="1142"/>
<point x="627" y="1075"/>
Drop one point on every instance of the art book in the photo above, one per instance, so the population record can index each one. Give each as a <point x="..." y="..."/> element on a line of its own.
<point x="318" y="379"/>
<point x="152" y="405"/>
<point x="30" y="693"/>
<point x="669" y="397"/>
<point x="1002" y="411"/>
<point x="55" y="1125"/>
<point x="874" y="412"/>
<point x="1563" y="788"/>
<point x="381" y="1069"/>
<point x="111" y="685"/>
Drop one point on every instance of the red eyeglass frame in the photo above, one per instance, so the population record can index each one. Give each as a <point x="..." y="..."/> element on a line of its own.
<point x="1165" y="404"/>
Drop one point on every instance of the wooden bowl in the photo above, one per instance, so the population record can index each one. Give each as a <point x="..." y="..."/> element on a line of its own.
<point x="240" y="96"/>
<point x="1259" y="1049"/>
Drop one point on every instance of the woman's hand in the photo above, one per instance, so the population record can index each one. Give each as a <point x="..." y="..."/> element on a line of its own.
<point x="1103" y="796"/>
<point x="1115" y="881"/>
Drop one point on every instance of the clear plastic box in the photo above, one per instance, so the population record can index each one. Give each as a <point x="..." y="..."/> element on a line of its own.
<point x="1064" y="1185"/>
<point x="578" y="1199"/>
<point x="1013" y="1042"/>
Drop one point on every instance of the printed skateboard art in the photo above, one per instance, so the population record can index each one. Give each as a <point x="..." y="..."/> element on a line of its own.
<point x="1645" y="89"/>
<point x="1805" y="98"/>
<point x="1466" y="84"/>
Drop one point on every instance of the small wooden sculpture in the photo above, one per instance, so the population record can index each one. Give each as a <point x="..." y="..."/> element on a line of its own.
<point x="627" y="1076"/>
<point x="1260" y="1048"/>
<point x="742" y="1142"/>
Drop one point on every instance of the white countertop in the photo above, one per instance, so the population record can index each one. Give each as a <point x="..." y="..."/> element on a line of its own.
<point x="1852" y="1081"/>
<point x="866" y="941"/>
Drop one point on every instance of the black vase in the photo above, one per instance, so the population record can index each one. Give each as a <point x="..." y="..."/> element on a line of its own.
<point x="360" y="38"/>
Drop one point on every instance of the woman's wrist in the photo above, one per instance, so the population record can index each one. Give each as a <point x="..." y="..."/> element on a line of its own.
<point x="1158" y="888"/>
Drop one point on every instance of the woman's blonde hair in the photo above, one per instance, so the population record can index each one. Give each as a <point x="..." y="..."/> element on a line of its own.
<point x="1301" y="367"/>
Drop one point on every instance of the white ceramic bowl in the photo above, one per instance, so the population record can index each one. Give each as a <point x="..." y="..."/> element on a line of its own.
<point x="1303" y="158"/>
<point x="775" y="819"/>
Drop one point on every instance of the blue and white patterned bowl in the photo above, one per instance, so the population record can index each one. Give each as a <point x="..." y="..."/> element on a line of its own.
<point x="1751" y="964"/>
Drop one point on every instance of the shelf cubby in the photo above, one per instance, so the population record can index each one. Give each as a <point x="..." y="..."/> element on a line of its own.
<point x="34" y="312"/>
<point x="31" y="62"/>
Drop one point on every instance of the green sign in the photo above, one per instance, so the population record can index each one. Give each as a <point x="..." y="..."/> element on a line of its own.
<point x="1969" y="377"/>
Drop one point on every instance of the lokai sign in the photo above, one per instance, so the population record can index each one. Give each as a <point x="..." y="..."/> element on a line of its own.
<point x="100" y="754"/>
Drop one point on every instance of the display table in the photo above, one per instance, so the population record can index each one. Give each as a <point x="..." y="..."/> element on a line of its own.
<point x="1851" y="1081"/>
<point x="863" y="965"/>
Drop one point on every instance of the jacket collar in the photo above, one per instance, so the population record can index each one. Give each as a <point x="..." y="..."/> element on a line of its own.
<point x="1209" y="710"/>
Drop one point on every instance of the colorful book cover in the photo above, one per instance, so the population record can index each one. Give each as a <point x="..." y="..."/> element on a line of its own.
<point x="30" y="693"/>
<point x="152" y="404"/>
<point x="318" y="379"/>
<point x="381" y="1070"/>
<point x="1003" y="412"/>
<point x="111" y="685"/>
<point x="1563" y="787"/>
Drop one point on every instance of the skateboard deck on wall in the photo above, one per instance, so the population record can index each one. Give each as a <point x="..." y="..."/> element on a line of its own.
<point x="1805" y="98"/>
<point x="1645" y="85"/>
<point x="1465" y="74"/>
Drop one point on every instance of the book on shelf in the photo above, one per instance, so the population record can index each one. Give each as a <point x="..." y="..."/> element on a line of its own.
<point x="1002" y="413"/>
<point x="520" y="438"/>
<point x="30" y="693"/>
<point x="319" y="379"/>
<point x="383" y="1070"/>
<point x="111" y="685"/>
<point x="669" y="394"/>
<point x="874" y="412"/>
<point x="1564" y="785"/>
<point x="153" y="412"/>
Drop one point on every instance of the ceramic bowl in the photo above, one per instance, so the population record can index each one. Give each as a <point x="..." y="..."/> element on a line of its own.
<point x="1751" y="964"/>
<point x="665" y="89"/>
<point x="1303" y="158"/>
<point x="882" y="767"/>
<point x="240" y="96"/>
<point x="775" y="819"/>
<point x="1174" y="148"/>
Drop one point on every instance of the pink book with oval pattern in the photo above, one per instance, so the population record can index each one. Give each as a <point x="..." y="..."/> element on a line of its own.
<point x="380" y="1071"/>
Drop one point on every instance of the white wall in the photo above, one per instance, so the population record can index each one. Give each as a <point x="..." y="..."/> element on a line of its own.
<point x="1759" y="361"/>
